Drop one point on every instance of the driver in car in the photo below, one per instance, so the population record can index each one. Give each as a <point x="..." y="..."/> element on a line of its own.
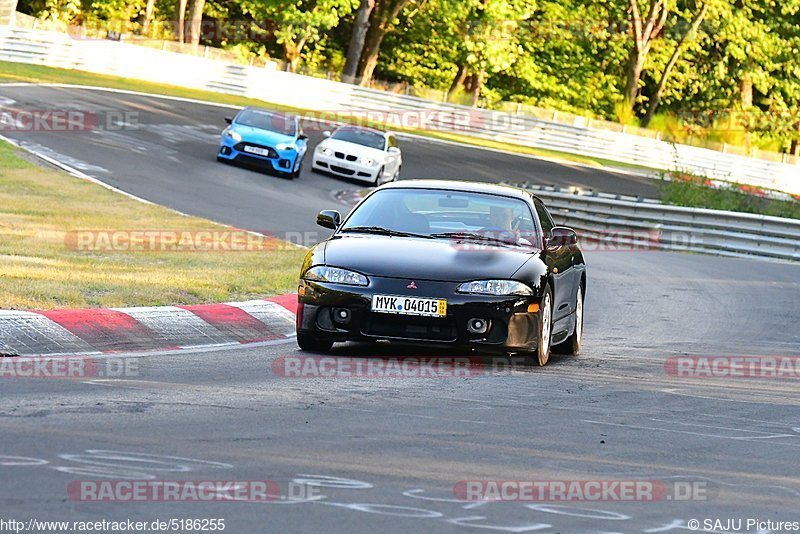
<point x="504" y="226"/>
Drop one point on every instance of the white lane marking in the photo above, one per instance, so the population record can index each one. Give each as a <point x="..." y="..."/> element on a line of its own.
<point x="721" y="436"/>
<point x="20" y="461"/>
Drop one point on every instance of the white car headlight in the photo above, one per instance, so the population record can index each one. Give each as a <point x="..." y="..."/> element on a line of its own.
<point x="325" y="150"/>
<point x="495" y="287"/>
<point x="233" y="134"/>
<point x="370" y="162"/>
<point x="336" y="275"/>
<point x="284" y="146"/>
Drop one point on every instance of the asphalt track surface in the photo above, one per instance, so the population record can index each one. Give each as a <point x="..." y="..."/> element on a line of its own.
<point x="612" y="413"/>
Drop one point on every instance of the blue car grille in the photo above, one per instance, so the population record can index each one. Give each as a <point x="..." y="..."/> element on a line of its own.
<point x="241" y="148"/>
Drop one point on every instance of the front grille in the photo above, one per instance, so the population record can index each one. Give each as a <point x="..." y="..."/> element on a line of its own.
<point x="407" y="327"/>
<point x="240" y="147"/>
<point x="342" y="170"/>
<point x="252" y="160"/>
<point x="348" y="157"/>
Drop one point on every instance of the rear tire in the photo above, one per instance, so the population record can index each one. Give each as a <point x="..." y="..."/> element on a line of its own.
<point x="308" y="343"/>
<point x="572" y="345"/>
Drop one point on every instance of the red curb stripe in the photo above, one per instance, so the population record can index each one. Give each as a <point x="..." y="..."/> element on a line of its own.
<point x="288" y="301"/>
<point x="107" y="330"/>
<point x="233" y="322"/>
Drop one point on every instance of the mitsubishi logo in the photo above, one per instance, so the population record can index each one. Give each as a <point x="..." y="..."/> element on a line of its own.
<point x="412" y="285"/>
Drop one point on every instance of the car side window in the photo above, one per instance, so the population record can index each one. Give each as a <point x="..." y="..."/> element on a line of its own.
<point x="544" y="217"/>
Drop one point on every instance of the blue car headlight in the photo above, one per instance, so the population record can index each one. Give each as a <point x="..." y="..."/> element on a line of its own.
<point x="321" y="273"/>
<point x="495" y="287"/>
<point x="232" y="134"/>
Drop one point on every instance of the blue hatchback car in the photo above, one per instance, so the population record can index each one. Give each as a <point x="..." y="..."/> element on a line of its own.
<point x="265" y="139"/>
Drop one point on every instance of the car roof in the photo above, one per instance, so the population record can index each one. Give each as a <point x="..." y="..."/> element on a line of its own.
<point x="364" y="128"/>
<point x="270" y="112"/>
<point x="461" y="185"/>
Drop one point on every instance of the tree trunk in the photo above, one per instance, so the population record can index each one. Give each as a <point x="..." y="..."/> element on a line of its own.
<point x="458" y="80"/>
<point x="357" y="38"/>
<point x="477" y="84"/>
<point x="383" y="14"/>
<point x="181" y="20"/>
<point x="148" y="16"/>
<point x="673" y="60"/>
<point x="195" y="21"/>
<point x="746" y="91"/>
<point x="644" y="32"/>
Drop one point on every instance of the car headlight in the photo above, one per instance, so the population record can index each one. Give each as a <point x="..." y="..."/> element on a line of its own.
<point x="369" y="162"/>
<point x="284" y="146"/>
<point x="336" y="275"/>
<point x="495" y="287"/>
<point x="325" y="150"/>
<point x="233" y="134"/>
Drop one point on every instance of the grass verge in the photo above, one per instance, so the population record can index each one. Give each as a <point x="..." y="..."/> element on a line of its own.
<point x="45" y="267"/>
<point x="691" y="191"/>
<point x="22" y="72"/>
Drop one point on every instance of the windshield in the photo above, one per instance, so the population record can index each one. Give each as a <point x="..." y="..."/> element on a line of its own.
<point x="360" y="137"/>
<point x="445" y="214"/>
<point x="264" y="120"/>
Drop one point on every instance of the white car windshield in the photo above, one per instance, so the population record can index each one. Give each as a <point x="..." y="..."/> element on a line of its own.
<point x="360" y="137"/>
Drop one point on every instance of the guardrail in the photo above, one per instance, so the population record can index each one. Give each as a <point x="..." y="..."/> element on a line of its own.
<point x="117" y="58"/>
<point x="642" y="224"/>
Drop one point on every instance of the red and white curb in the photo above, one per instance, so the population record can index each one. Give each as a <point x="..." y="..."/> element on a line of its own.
<point x="97" y="331"/>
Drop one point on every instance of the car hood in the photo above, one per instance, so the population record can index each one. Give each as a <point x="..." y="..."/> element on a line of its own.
<point x="261" y="137"/>
<point x="352" y="148"/>
<point x="423" y="259"/>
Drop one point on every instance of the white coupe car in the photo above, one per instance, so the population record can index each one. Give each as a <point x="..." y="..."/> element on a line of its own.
<point x="361" y="153"/>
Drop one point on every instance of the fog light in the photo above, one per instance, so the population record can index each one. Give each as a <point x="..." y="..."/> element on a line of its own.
<point x="226" y="150"/>
<point x="341" y="315"/>
<point x="477" y="326"/>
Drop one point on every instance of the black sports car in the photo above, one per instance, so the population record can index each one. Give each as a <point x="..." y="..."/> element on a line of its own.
<point x="463" y="264"/>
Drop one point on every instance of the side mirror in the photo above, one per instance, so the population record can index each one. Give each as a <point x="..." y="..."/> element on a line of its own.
<point x="561" y="236"/>
<point x="229" y="120"/>
<point x="393" y="150"/>
<point x="302" y="137"/>
<point x="329" y="219"/>
<point x="326" y="133"/>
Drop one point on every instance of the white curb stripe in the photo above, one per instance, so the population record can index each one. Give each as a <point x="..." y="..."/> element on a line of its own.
<point x="173" y="323"/>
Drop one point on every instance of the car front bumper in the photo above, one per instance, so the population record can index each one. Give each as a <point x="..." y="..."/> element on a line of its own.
<point x="344" y="168"/>
<point x="282" y="161"/>
<point x="512" y="327"/>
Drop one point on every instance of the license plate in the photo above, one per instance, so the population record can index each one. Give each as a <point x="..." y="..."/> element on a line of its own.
<point x="409" y="305"/>
<point x="256" y="150"/>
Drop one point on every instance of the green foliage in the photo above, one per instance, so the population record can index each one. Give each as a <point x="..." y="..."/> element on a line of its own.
<point x="692" y="192"/>
<point x="565" y="55"/>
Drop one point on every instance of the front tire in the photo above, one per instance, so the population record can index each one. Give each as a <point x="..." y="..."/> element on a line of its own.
<point x="298" y="168"/>
<point x="309" y="343"/>
<point x="545" y="327"/>
<point x="572" y="345"/>
<point x="377" y="181"/>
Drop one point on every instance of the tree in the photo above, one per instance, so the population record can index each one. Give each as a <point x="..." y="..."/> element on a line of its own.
<point x="357" y="38"/>
<point x="381" y="21"/>
<point x="655" y="99"/>
<point x="299" y="23"/>
<point x="195" y="21"/>
<point x="643" y="33"/>
<point x="181" y="20"/>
